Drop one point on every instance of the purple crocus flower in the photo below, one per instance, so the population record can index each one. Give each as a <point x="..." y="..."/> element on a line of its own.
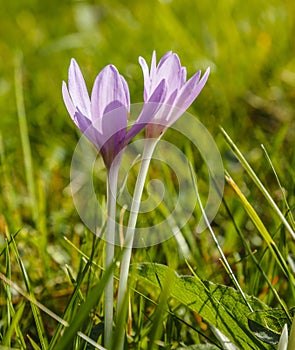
<point x="180" y="93"/>
<point x="103" y="117"/>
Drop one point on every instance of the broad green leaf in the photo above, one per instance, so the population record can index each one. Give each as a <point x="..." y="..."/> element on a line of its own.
<point x="219" y="305"/>
<point x="268" y="325"/>
<point x="264" y="334"/>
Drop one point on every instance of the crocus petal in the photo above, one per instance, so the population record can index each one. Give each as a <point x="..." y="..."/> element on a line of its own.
<point x="204" y="79"/>
<point x="195" y="86"/>
<point x="81" y="121"/>
<point x="179" y="93"/>
<point x="146" y="77"/>
<point x="67" y="100"/>
<point x="164" y="58"/>
<point x="188" y="93"/>
<point x="126" y="91"/>
<point x="108" y="87"/>
<point x="183" y="76"/>
<point x="169" y="70"/>
<point x="77" y="89"/>
<point x="149" y="110"/>
<point x="153" y="65"/>
<point x="88" y="129"/>
<point x="114" y="126"/>
<point x="168" y="109"/>
<point x="114" y="122"/>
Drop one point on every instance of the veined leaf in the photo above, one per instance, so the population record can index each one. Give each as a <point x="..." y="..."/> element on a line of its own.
<point x="219" y="305"/>
<point x="268" y="325"/>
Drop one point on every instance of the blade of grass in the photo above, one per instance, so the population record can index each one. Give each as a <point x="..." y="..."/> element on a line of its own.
<point x="289" y="212"/>
<point x="223" y="258"/>
<point x="76" y="293"/>
<point x="291" y="342"/>
<point x="118" y="339"/>
<point x="257" y="182"/>
<point x="11" y="313"/>
<point x="90" y="341"/>
<point x="14" y="327"/>
<point x="8" y="193"/>
<point x="32" y="299"/>
<point x="158" y="316"/>
<point x="256" y="262"/>
<point x="24" y="134"/>
<point x="35" y="310"/>
<point x="68" y="309"/>
<point x="92" y="300"/>
<point x="35" y="346"/>
<point x="262" y="230"/>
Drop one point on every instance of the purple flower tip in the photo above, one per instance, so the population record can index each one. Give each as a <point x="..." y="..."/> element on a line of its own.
<point x="179" y="95"/>
<point x="103" y="118"/>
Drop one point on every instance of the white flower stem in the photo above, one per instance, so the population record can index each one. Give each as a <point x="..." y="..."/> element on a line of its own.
<point x="149" y="147"/>
<point x="109" y="253"/>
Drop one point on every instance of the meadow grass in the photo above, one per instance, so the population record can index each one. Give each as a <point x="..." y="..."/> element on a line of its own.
<point x="52" y="280"/>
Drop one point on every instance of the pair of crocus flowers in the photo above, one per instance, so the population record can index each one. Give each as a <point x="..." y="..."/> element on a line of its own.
<point x="103" y="117"/>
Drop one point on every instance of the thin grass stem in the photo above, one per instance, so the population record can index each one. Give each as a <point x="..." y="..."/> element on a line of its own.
<point x="223" y="258"/>
<point x="257" y="182"/>
<point x="24" y="135"/>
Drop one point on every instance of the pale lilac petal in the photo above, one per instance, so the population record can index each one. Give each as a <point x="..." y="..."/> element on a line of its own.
<point x="169" y="70"/>
<point x="149" y="110"/>
<point x="188" y="92"/>
<point x="114" y="126"/>
<point x="195" y="89"/>
<point x="67" y="100"/>
<point x="146" y="77"/>
<point x="114" y="121"/>
<point x="164" y="58"/>
<point x="126" y="91"/>
<point x="170" y="100"/>
<point x="108" y="87"/>
<point x="183" y="76"/>
<point x="159" y="94"/>
<point x="88" y="129"/>
<point x="78" y="90"/>
<point x="81" y="121"/>
<point x="167" y="109"/>
<point x="111" y="106"/>
<point x="153" y="65"/>
<point x="204" y="79"/>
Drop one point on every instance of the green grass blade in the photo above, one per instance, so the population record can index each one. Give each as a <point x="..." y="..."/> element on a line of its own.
<point x="256" y="262"/>
<point x="70" y="305"/>
<point x="157" y="327"/>
<point x="291" y="343"/>
<point x="257" y="182"/>
<point x="35" y="309"/>
<point x="33" y="343"/>
<point x="14" y="325"/>
<point x="13" y="317"/>
<point x="262" y="230"/>
<point x="92" y="301"/>
<point x="289" y="212"/>
<point x="23" y="127"/>
<point x="223" y="257"/>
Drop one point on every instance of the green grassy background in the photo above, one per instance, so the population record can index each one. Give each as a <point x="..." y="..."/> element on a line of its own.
<point x="250" y="48"/>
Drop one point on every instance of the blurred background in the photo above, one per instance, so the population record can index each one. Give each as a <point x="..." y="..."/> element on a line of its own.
<point x="249" y="46"/>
